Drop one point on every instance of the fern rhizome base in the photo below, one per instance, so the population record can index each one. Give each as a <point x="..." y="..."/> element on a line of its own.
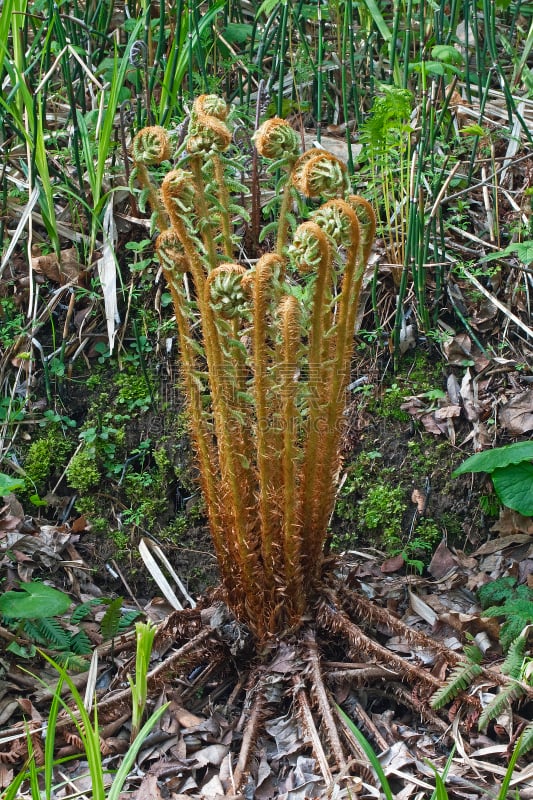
<point x="265" y="353"/>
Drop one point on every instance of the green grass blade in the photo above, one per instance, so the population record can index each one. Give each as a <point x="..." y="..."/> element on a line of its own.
<point x="105" y="136"/>
<point x="502" y="794"/>
<point x="50" y="740"/>
<point x="379" y="22"/>
<point x="129" y="758"/>
<point x="372" y="757"/>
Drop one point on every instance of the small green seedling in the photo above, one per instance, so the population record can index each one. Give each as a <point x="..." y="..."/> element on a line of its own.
<point x="511" y="471"/>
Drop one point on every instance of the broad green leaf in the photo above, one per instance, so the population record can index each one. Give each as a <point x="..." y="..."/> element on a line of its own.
<point x="238" y="32"/>
<point x="514" y="486"/>
<point x="497" y="458"/>
<point x="34" y="601"/>
<point x="448" y="54"/>
<point x="267" y="7"/>
<point x="8" y="484"/>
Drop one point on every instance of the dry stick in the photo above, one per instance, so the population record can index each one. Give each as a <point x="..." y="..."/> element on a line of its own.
<point x="360" y="755"/>
<point x="249" y="737"/>
<point x="495" y="302"/>
<point x="308" y="722"/>
<point x="334" y="620"/>
<point x="323" y="702"/>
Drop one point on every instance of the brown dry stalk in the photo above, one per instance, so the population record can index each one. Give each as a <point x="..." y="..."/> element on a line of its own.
<point x="320" y="693"/>
<point x="332" y="619"/>
<point x="306" y="717"/>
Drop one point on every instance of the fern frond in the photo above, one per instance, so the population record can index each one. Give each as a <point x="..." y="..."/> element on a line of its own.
<point x="473" y="653"/>
<point x="55" y="635"/>
<point x="72" y="661"/>
<point x="127" y="620"/>
<point x="494" y="592"/>
<point x="526" y="743"/>
<point x="111" y="618"/>
<point x="32" y="632"/>
<point x="80" y="644"/>
<point x="515" y="656"/>
<point x="508" y="695"/>
<point x="83" y="610"/>
<point x="460" y="679"/>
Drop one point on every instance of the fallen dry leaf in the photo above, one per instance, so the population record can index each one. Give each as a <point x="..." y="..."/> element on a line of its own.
<point x="512" y="522"/>
<point x="443" y="562"/>
<point x="517" y="415"/>
<point x="63" y="270"/>
<point x="420" y="500"/>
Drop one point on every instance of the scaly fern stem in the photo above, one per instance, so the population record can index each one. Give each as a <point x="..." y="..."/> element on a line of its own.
<point x="292" y="541"/>
<point x="154" y="201"/>
<point x="223" y="199"/>
<point x="205" y="226"/>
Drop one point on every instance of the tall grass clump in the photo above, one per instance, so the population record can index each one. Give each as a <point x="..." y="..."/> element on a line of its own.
<point x="265" y="352"/>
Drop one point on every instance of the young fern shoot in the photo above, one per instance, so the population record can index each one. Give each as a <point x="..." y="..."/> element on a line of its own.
<point x="265" y="354"/>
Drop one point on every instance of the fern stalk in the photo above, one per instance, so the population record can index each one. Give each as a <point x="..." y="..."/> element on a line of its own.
<point x="265" y="399"/>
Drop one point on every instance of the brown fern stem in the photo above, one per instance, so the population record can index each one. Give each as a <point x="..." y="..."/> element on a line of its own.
<point x="223" y="199"/>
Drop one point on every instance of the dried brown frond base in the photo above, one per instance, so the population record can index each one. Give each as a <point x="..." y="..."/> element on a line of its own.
<point x="248" y="724"/>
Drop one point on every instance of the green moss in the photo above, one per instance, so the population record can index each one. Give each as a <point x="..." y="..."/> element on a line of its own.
<point x="133" y="394"/>
<point x="382" y="510"/>
<point x="45" y="460"/>
<point x="82" y="472"/>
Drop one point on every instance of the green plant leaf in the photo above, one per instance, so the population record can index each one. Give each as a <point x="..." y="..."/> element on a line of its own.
<point x="448" y="54"/>
<point x="35" y="600"/>
<point x="371" y="755"/>
<point x="514" y="487"/>
<point x="8" y="484"/>
<point x="111" y="619"/>
<point x="497" y="458"/>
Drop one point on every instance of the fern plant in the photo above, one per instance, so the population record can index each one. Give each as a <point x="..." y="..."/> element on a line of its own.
<point x="503" y="598"/>
<point x="265" y="353"/>
<point x="517" y="666"/>
<point x="34" y="614"/>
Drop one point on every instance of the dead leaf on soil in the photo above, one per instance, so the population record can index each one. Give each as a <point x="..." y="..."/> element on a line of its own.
<point x="63" y="270"/>
<point x="393" y="564"/>
<point x="517" y="415"/>
<point x="512" y="522"/>
<point x="458" y="349"/>
<point x="496" y="545"/>
<point x="443" y="562"/>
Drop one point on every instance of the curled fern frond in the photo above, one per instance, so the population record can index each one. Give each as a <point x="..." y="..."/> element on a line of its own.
<point x="208" y="133"/>
<point x="505" y="697"/>
<point x="171" y="253"/>
<point x="309" y="247"/>
<point x="151" y="146"/>
<point x="225" y="291"/>
<point x="212" y="105"/>
<point x="318" y="173"/>
<point x="460" y="679"/>
<point x="276" y="139"/>
<point x="177" y="190"/>
<point x="336" y="218"/>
